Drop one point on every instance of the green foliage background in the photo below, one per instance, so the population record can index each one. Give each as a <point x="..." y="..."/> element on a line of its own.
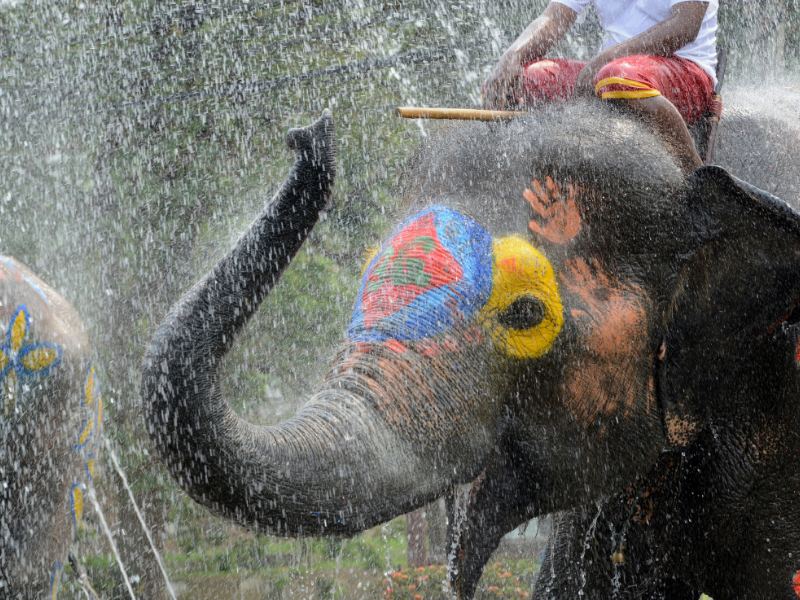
<point x="139" y="137"/>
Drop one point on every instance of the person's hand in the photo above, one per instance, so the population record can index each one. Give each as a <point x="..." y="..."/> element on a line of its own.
<point x="584" y="84"/>
<point x="503" y="88"/>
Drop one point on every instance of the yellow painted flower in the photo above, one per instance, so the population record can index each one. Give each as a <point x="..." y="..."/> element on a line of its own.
<point x="87" y="445"/>
<point x="89" y="437"/>
<point x="76" y="503"/>
<point x="25" y="360"/>
<point x="89" y="406"/>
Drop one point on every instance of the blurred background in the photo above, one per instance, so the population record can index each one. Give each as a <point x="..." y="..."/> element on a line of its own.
<point x="138" y="139"/>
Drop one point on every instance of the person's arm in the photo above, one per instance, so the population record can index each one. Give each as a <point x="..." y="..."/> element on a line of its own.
<point x="543" y="33"/>
<point x="662" y="39"/>
<point x="532" y="44"/>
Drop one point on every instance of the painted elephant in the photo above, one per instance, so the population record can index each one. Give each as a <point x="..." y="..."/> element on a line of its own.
<point x="50" y="422"/>
<point x="560" y="309"/>
<point x="629" y="545"/>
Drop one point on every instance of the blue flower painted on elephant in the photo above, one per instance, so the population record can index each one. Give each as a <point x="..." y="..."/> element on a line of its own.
<point x="435" y="270"/>
<point x="26" y="360"/>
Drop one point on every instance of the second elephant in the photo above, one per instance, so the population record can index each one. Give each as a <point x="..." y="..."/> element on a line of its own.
<point x="50" y="421"/>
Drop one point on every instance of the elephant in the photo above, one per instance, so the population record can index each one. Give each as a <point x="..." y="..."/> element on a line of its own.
<point x="50" y="423"/>
<point x="561" y="309"/>
<point x="606" y="544"/>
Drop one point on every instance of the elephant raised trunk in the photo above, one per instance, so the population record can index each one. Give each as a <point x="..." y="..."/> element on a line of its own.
<point x="355" y="455"/>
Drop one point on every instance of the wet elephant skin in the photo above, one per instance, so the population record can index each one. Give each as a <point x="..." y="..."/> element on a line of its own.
<point x="672" y="535"/>
<point x="559" y="311"/>
<point x="50" y="422"/>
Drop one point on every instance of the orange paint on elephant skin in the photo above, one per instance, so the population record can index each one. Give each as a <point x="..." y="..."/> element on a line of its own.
<point x="396" y="346"/>
<point x="428" y="347"/>
<point x="613" y="324"/>
<point x="796" y="583"/>
<point x="393" y="391"/>
<point x="361" y="347"/>
<point x="510" y="265"/>
<point x="650" y="401"/>
<point x="431" y="348"/>
<point x="557" y="217"/>
<point x="411" y="391"/>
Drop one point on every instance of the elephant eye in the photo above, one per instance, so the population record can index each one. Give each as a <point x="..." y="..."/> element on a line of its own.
<point x="525" y="312"/>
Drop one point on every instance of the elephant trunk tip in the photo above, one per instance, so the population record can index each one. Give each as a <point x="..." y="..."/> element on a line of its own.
<point x="316" y="142"/>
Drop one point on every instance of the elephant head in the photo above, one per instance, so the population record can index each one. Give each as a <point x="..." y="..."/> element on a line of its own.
<point x="50" y="423"/>
<point x="669" y="532"/>
<point x="554" y="306"/>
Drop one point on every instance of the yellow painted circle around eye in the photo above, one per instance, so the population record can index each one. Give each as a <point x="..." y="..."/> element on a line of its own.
<point x="518" y="270"/>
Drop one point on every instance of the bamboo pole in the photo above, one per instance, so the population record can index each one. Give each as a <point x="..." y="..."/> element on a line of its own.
<point x="462" y="114"/>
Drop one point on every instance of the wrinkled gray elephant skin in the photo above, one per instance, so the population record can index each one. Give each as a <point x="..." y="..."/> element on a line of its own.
<point x="560" y="316"/>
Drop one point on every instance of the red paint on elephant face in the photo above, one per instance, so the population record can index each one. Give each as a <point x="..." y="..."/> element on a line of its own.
<point x="471" y="336"/>
<point x="415" y="263"/>
<point x="796" y="583"/>
<point x="396" y="346"/>
<point x="612" y="373"/>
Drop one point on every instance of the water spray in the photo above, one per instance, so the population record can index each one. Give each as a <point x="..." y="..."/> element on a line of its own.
<point x="104" y="524"/>
<point x="139" y="515"/>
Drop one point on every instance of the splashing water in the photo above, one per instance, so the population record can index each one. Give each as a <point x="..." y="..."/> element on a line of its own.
<point x="587" y="541"/>
<point x="107" y="531"/>
<point x="142" y="136"/>
<point x="139" y="515"/>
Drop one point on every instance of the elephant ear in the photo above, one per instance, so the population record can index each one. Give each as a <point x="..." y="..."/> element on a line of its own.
<point x="728" y="339"/>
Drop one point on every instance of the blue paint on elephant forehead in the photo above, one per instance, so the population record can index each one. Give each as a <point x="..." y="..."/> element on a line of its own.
<point x="435" y="270"/>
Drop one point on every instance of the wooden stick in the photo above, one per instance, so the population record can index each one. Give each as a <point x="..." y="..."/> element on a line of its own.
<point x="462" y="114"/>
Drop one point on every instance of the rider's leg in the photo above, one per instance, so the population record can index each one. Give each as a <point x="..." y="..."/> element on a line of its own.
<point x="668" y="91"/>
<point x="549" y="80"/>
<point x="669" y="124"/>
